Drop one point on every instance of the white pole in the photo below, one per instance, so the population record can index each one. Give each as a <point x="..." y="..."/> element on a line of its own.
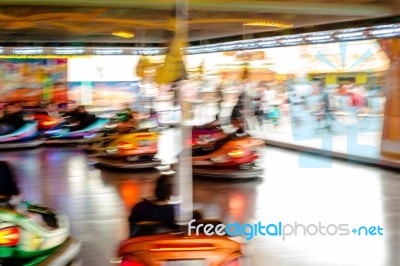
<point x="184" y="174"/>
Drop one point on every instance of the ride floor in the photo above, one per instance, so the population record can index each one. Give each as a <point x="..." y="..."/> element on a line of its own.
<point x="338" y="192"/>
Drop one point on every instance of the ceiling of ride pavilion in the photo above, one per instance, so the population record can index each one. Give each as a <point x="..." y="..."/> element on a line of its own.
<point x="83" y="21"/>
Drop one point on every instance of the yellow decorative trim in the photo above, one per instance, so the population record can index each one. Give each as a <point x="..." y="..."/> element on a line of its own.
<point x="390" y="155"/>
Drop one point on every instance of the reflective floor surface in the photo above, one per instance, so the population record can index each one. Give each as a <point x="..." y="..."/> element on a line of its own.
<point x="98" y="202"/>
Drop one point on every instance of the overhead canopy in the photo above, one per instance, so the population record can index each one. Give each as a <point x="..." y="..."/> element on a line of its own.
<point x="94" y="21"/>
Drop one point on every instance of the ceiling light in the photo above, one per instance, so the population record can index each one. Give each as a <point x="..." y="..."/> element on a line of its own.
<point x="268" y="24"/>
<point x="123" y="34"/>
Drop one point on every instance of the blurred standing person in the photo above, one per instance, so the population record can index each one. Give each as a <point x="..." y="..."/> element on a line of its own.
<point x="284" y="105"/>
<point x="257" y="103"/>
<point x="275" y="114"/>
<point x="373" y="100"/>
<point x="296" y="104"/>
<point x="269" y="97"/>
<point x="238" y="114"/>
<point x="361" y="98"/>
<point x="220" y="96"/>
<point x="327" y="108"/>
<point x="316" y="105"/>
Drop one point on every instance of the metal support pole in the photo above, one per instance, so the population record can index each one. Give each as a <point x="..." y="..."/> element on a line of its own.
<point x="184" y="174"/>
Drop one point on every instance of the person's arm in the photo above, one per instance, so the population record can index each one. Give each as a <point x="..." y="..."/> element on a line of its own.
<point x="8" y="118"/>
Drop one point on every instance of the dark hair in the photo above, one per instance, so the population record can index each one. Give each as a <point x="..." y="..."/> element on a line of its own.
<point x="163" y="188"/>
<point x="8" y="185"/>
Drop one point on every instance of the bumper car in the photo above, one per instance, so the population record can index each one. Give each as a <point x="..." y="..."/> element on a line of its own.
<point x="45" y="121"/>
<point x="178" y="249"/>
<point x="25" y="241"/>
<point x="231" y="156"/>
<point x="212" y="131"/>
<point x="114" y="129"/>
<point x="221" y="153"/>
<point x="62" y="134"/>
<point x="24" y="137"/>
<point x="206" y="134"/>
<point x="127" y="151"/>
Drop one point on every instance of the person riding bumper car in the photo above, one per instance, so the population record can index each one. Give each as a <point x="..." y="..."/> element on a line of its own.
<point x="230" y="157"/>
<point x="15" y="132"/>
<point x="31" y="234"/>
<point x="155" y="240"/>
<point x="137" y="121"/>
<point x="134" y="150"/>
<point x="24" y="137"/>
<point x="24" y="241"/>
<point x="79" y="126"/>
<point x="223" y="153"/>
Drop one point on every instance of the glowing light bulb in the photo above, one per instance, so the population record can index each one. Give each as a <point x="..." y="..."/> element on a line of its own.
<point x="123" y="34"/>
<point x="268" y="24"/>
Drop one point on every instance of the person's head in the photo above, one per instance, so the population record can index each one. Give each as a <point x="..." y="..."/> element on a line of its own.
<point x="52" y="107"/>
<point x="81" y="109"/>
<point x="163" y="189"/>
<point x="8" y="185"/>
<point x="12" y="108"/>
<point x="71" y="106"/>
